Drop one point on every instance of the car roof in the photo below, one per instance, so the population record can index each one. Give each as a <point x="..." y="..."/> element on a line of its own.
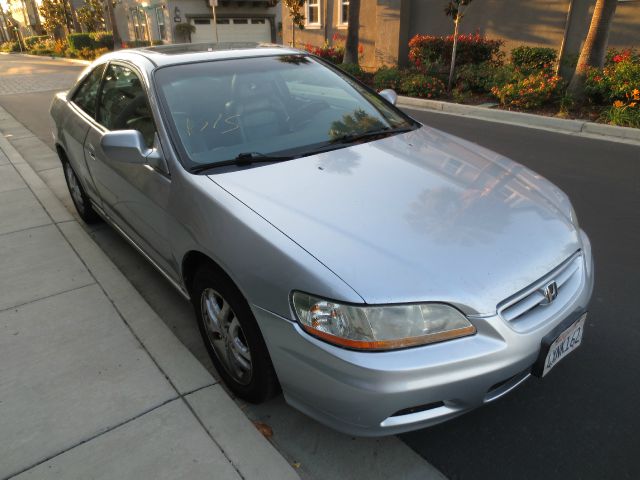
<point x="163" y="55"/>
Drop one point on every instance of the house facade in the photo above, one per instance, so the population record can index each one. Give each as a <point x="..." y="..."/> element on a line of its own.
<point x="386" y="26"/>
<point x="20" y="16"/>
<point x="155" y="20"/>
<point x="233" y="21"/>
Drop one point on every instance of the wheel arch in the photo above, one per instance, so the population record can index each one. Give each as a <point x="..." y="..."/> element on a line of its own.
<point x="62" y="154"/>
<point x="194" y="259"/>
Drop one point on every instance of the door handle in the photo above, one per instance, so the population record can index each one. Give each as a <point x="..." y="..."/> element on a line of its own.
<point x="92" y="152"/>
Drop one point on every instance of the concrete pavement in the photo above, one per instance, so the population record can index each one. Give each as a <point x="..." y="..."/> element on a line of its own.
<point x="92" y="382"/>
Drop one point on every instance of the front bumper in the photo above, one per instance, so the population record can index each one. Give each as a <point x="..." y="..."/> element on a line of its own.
<point x="383" y="393"/>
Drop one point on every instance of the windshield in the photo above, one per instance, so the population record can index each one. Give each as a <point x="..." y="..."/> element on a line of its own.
<point x="289" y="104"/>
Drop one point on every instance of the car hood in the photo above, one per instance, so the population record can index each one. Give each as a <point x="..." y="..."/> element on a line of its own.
<point x="421" y="216"/>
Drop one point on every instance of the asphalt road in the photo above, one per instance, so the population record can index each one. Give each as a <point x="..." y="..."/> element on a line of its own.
<point x="582" y="421"/>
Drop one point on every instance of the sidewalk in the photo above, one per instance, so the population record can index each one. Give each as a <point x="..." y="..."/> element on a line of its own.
<point x="92" y="382"/>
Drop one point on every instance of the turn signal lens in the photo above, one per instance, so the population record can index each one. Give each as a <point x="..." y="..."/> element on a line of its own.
<point x="379" y="327"/>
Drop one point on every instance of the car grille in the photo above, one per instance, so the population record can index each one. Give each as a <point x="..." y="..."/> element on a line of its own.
<point x="529" y="307"/>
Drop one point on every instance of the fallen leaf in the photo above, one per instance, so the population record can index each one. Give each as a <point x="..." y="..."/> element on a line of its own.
<point x="264" y="429"/>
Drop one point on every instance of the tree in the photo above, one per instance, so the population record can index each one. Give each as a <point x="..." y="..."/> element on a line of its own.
<point x="594" y="49"/>
<point x="455" y="9"/>
<point x="117" y="41"/>
<point x="91" y="15"/>
<point x="353" y="32"/>
<point x="294" y="9"/>
<point x="56" y="14"/>
<point x="185" y="29"/>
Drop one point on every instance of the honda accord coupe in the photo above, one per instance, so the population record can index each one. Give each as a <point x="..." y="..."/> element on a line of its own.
<point x="386" y="276"/>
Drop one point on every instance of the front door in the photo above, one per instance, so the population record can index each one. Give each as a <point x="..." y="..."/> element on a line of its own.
<point x="76" y="127"/>
<point x="134" y="196"/>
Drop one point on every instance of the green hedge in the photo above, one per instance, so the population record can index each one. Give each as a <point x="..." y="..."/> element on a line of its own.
<point x="33" y="40"/>
<point x="533" y="59"/>
<point x="426" y="50"/>
<point x="102" y="39"/>
<point x="78" y="41"/>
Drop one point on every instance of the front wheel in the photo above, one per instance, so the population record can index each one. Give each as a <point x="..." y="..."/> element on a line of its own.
<point x="232" y="337"/>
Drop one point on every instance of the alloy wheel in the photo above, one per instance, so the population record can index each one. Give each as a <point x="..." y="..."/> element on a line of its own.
<point x="226" y="336"/>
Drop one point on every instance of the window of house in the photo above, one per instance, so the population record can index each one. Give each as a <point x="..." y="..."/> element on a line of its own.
<point x="162" y="29"/>
<point x="240" y="21"/>
<point x="343" y="17"/>
<point x="86" y="96"/>
<point x="139" y="23"/>
<point x="313" y="12"/>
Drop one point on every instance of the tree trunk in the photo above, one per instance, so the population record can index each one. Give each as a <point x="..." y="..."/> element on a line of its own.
<point x="293" y="33"/>
<point x="594" y="49"/>
<point x="74" y="17"/>
<point x="454" y="51"/>
<point x="353" y="30"/>
<point x="117" y="41"/>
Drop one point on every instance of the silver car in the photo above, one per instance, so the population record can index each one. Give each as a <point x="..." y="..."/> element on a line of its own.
<point x="386" y="276"/>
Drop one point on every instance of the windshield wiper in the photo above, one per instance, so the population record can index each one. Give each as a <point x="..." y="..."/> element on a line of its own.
<point x="382" y="132"/>
<point x="242" y="159"/>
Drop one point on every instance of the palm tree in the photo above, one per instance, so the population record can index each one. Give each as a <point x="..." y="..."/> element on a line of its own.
<point x="353" y="30"/>
<point x="594" y="49"/>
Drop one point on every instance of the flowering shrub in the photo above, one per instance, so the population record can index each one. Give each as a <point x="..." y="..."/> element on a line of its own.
<point x="46" y="46"/>
<point x="528" y="92"/>
<point x="533" y="59"/>
<point x="60" y="48"/>
<point x="420" y="85"/>
<point x="33" y="40"/>
<point x="9" y="47"/>
<point x="617" y="56"/>
<point x="614" y="81"/>
<point x="425" y="50"/>
<point x="91" y="53"/>
<point x="625" y="113"/>
<point x="333" y="54"/>
<point x="386" y="77"/>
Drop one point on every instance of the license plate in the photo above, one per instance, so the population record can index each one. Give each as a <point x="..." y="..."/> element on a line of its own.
<point x="566" y="342"/>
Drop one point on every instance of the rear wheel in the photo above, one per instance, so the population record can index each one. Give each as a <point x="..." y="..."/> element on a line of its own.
<point x="232" y="337"/>
<point x="78" y="195"/>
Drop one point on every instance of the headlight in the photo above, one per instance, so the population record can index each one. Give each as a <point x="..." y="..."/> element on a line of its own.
<point x="379" y="327"/>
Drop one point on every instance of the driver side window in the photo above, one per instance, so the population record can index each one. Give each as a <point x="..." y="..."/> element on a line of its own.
<point x="86" y="96"/>
<point x="123" y="103"/>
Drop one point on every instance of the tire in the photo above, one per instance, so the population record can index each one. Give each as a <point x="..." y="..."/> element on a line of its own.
<point x="232" y="337"/>
<point x="78" y="195"/>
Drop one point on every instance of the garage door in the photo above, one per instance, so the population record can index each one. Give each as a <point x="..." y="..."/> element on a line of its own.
<point x="231" y="30"/>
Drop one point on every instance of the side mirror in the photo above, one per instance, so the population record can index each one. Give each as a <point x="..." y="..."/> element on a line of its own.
<point x="389" y="95"/>
<point x="128" y="146"/>
<point x="125" y="146"/>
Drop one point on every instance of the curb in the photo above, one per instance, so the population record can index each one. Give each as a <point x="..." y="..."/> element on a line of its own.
<point x="61" y="59"/>
<point x="560" y="125"/>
